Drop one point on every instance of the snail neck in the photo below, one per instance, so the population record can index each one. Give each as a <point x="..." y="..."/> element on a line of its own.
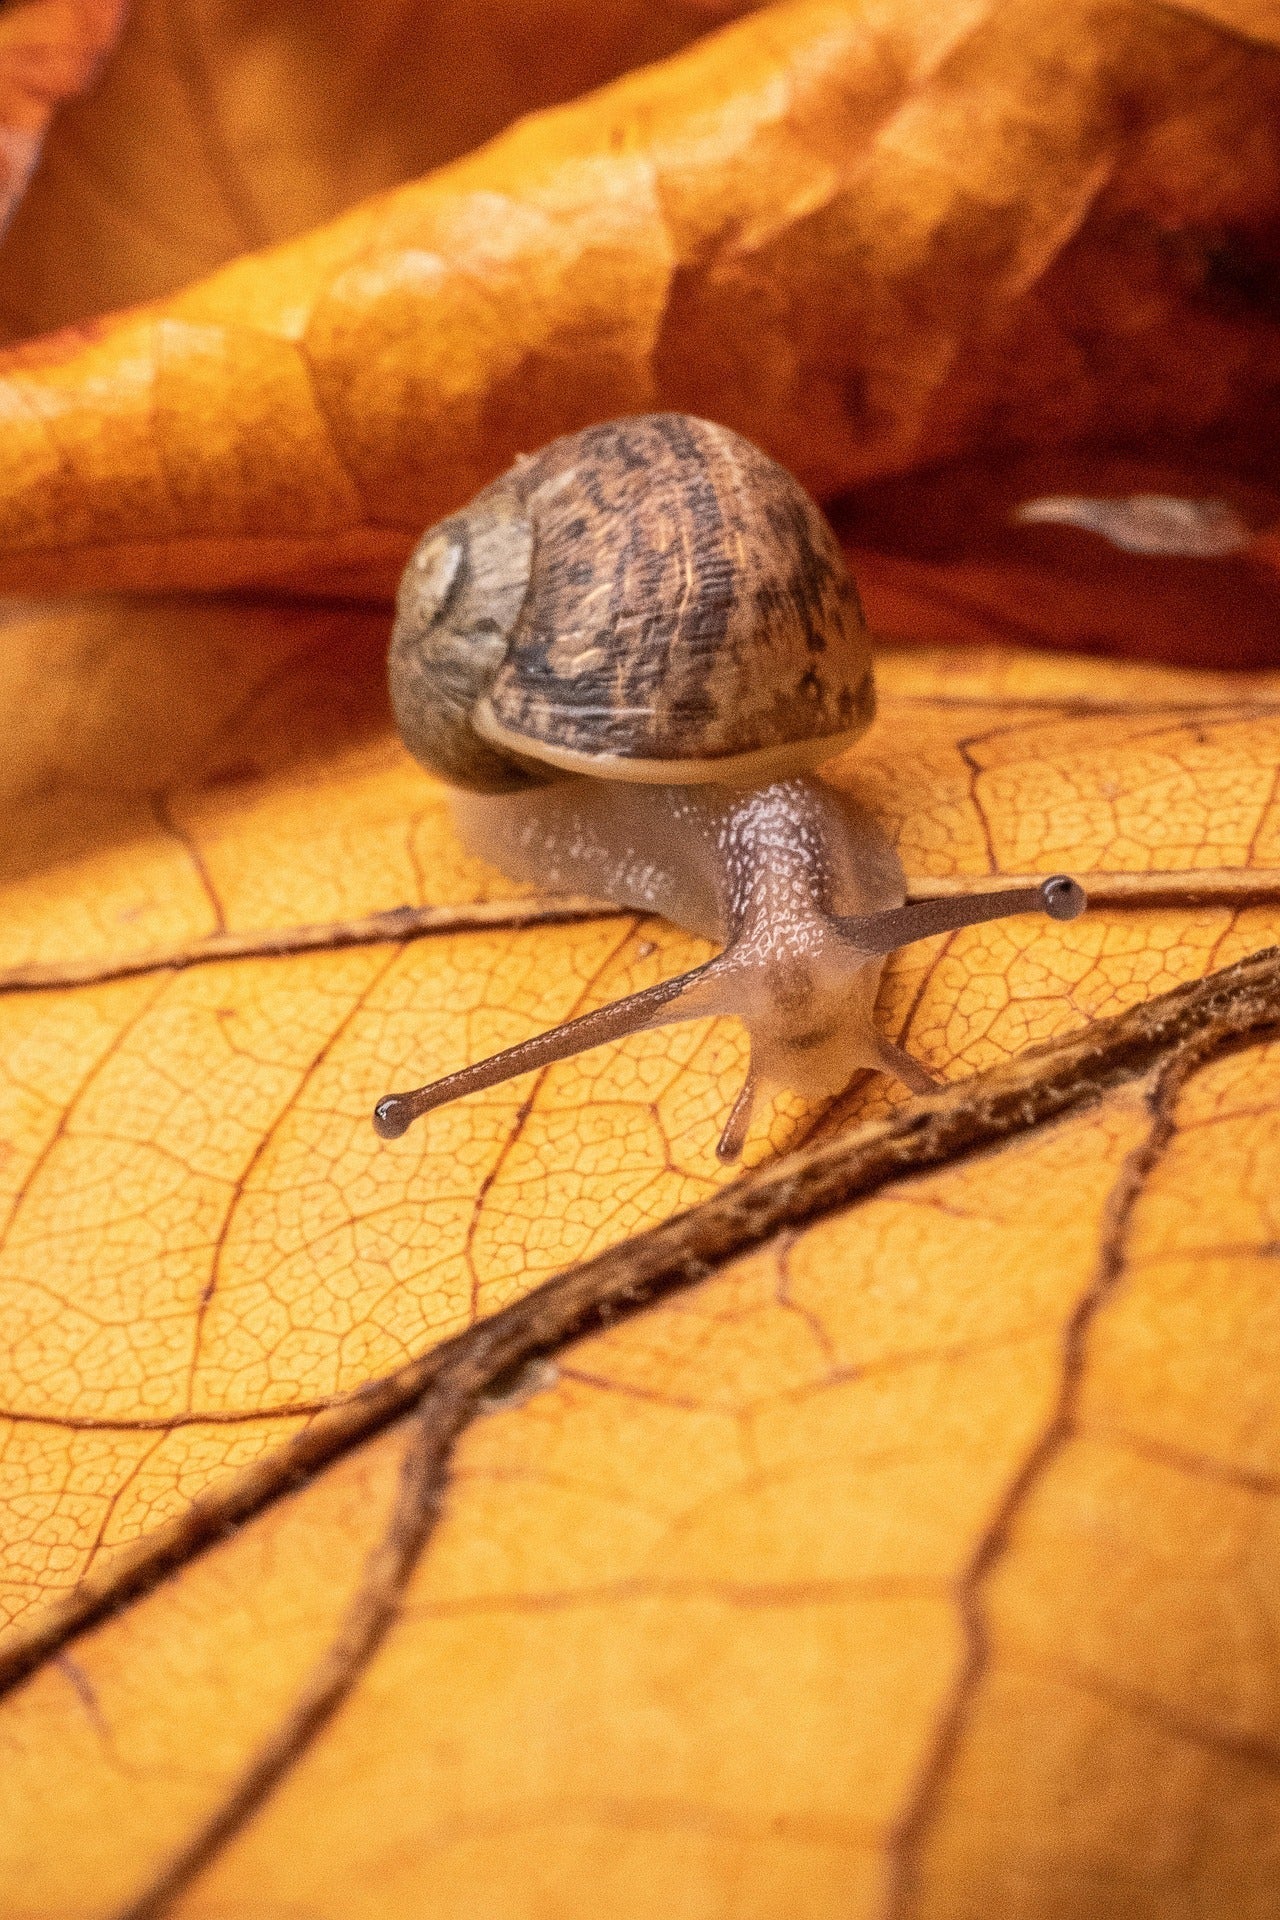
<point x="766" y="872"/>
<point x="793" y="854"/>
<point x="717" y="860"/>
<point x="798" y="858"/>
<point x="648" y="847"/>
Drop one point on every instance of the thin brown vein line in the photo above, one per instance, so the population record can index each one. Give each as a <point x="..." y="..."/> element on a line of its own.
<point x="1235" y="887"/>
<point x="904" y="1892"/>
<point x="1249" y="703"/>
<point x="387" y="1572"/>
<point x="1232" y="887"/>
<point x="169" y="823"/>
<point x="169" y="1422"/>
<point x="368" y="930"/>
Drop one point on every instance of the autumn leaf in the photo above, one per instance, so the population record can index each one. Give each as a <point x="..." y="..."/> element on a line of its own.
<point x="762" y="1587"/>
<point x="49" y="51"/>
<point x="868" y="1577"/>
<point x="528" y="1513"/>
<point x="216" y="130"/>
<point x="873" y="240"/>
<point x="942" y="557"/>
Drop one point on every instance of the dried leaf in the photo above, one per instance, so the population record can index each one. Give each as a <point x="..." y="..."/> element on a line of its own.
<point x="218" y="129"/>
<point x="1146" y="522"/>
<point x="946" y="557"/>
<point x="881" y="1574"/>
<point x="797" y="1564"/>
<point x="874" y="239"/>
<point x="910" y="1553"/>
<point x="49" y="51"/>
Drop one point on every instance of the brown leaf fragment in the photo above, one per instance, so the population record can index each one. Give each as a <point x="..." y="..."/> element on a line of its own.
<point x="49" y="51"/>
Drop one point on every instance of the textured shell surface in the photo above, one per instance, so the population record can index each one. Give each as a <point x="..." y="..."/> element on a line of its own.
<point x="649" y="599"/>
<point x="688" y="605"/>
<point x="459" y="600"/>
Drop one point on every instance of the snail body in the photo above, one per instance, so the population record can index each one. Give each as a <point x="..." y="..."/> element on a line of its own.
<point x="627" y="656"/>
<point x="766" y="872"/>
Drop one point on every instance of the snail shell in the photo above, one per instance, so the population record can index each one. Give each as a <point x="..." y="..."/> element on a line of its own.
<point x="652" y="599"/>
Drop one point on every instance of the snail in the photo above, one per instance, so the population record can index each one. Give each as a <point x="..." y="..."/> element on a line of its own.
<point x="627" y="656"/>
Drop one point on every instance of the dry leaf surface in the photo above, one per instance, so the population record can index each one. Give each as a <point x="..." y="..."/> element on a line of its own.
<point x="217" y="129"/>
<point x="367" y="1549"/>
<point x="49" y="51"/>
<point x="760" y="1601"/>
<point x="874" y="238"/>
<point x="747" y="1605"/>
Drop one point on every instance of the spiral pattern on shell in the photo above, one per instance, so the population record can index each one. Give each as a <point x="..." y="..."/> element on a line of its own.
<point x="648" y="599"/>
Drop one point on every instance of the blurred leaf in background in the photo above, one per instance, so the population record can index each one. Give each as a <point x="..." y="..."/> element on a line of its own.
<point x="50" y="50"/>
<point x="218" y="128"/>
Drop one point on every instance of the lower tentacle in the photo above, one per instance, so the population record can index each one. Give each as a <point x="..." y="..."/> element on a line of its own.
<point x="732" y="1139"/>
<point x="652" y="1007"/>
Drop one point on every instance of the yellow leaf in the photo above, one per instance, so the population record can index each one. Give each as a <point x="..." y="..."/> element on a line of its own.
<point x="762" y="1588"/>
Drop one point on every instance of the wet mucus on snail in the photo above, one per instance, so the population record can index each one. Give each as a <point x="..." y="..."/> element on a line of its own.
<point x="627" y="657"/>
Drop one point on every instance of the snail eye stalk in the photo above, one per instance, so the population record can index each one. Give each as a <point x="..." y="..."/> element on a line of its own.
<point x="1061" y="897"/>
<point x="708" y="989"/>
<point x="395" y="1112"/>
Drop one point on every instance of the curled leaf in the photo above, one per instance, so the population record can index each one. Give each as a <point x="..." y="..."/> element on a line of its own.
<point x="217" y="129"/>
<point x="49" y="51"/>
<point x="871" y="242"/>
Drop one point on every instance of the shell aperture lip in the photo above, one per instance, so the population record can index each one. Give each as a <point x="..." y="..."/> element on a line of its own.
<point x="756" y="767"/>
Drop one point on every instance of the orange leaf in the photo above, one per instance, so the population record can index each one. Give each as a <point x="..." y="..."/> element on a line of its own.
<point x="214" y="130"/>
<point x="872" y="240"/>
<point x="49" y="51"/>
<point x="774" y="1587"/>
